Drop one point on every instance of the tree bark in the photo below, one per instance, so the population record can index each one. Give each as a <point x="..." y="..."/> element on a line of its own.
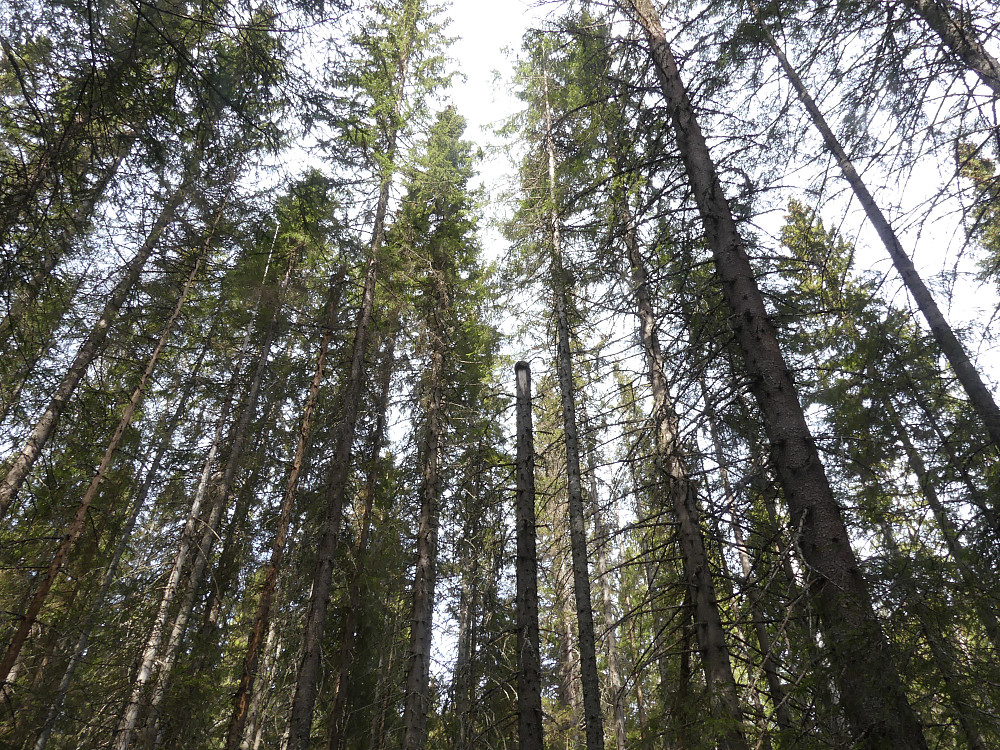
<point x="342" y="683"/>
<point x="592" y="716"/>
<point x="97" y="605"/>
<point x="529" y="674"/>
<point x="959" y="36"/>
<point x="682" y="496"/>
<point x="148" y="661"/>
<point x="872" y="693"/>
<point x="241" y="700"/>
<point x="979" y="395"/>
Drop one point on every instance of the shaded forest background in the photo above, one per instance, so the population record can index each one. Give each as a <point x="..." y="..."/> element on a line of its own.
<point x="257" y="454"/>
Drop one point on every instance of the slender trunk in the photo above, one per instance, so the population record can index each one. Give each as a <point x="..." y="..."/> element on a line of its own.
<point x="79" y="522"/>
<point x="241" y="699"/>
<point x="416" y="701"/>
<point x="873" y="695"/>
<point x="592" y="716"/>
<point x="723" y="692"/>
<point x="529" y="669"/>
<point x="768" y="661"/>
<point x="342" y="680"/>
<point x="979" y="395"/>
<point x="603" y="539"/>
<point x="959" y="36"/>
<point x="91" y="348"/>
<point x="941" y="652"/>
<point x="97" y="605"/>
<point x="147" y="664"/>
<point x="959" y="554"/>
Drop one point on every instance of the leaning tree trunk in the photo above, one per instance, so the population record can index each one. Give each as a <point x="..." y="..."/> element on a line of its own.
<point x="96" y="607"/>
<point x="91" y="348"/>
<point x="959" y="36"/>
<point x="592" y="718"/>
<point x="723" y="691"/>
<point x="148" y="661"/>
<point x="979" y="395"/>
<point x="79" y="521"/>
<point x="529" y="669"/>
<point x="872" y="693"/>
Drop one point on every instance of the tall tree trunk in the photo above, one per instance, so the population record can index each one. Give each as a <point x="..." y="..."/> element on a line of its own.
<point x="129" y="720"/>
<point x="979" y="395"/>
<point x="682" y="495"/>
<point x="872" y="693"/>
<point x="79" y="521"/>
<point x="91" y="347"/>
<point x="300" y="722"/>
<point x="592" y="716"/>
<point x="245" y="690"/>
<point x="529" y="664"/>
<point x="603" y="539"/>
<point x="416" y="700"/>
<point x="220" y="493"/>
<point x="959" y="36"/>
<point x="342" y="680"/>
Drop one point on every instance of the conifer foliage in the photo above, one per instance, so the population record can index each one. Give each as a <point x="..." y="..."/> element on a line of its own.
<point x="270" y="477"/>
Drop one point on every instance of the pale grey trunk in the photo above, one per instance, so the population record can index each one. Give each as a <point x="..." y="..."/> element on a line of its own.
<point x="148" y="662"/>
<point x="603" y="536"/>
<point x="529" y="669"/>
<point x="873" y="696"/>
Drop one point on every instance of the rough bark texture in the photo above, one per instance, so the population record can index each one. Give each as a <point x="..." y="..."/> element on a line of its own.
<point x="529" y="670"/>
<point x="91" y="347"/>
<point x="873" y="697"/>
<point x="979" y="395"/>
